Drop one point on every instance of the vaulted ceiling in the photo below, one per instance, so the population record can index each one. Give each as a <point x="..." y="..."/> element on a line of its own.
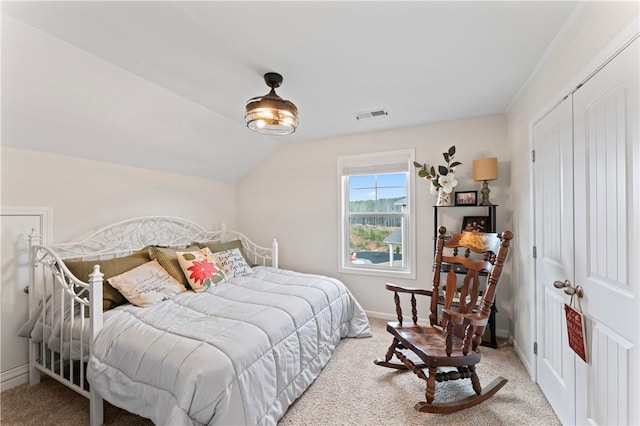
<point x="422" y="62"/>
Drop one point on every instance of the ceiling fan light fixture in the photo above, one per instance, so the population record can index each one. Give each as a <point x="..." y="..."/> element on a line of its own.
<point x="270" y="114"/>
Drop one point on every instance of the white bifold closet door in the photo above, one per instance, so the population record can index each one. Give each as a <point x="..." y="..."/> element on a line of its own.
<point x="607" y="249"/>
<point x="553" y="186"/>
<point x="587" y="231"/>
<point x="16" y="225"/>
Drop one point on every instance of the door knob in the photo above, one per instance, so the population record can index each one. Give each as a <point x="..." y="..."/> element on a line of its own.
<point x="569" y="288"/>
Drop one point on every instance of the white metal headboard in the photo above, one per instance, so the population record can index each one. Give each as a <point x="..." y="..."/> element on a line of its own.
<point x="133" y="234"/>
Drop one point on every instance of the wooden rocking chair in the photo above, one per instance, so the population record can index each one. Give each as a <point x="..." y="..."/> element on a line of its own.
<point x="453" y="340"/>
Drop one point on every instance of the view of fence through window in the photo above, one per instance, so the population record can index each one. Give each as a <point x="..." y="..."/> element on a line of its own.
<point x="377" y="214"/>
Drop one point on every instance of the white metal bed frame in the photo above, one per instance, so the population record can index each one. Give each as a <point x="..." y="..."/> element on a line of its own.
<point x="54" y="286"/>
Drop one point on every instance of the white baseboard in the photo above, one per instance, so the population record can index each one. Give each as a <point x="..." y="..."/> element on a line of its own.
<point x="15" y="377"/>
<point x="392" y="317"/>
<point x="380" y="315"/>
<point x="523" y="359"/>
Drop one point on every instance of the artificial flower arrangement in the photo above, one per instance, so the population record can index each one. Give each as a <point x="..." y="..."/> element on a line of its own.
<point x="444" y="178"/>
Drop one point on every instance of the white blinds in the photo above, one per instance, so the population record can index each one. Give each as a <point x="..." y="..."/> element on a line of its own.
<point x="376" y="163"/>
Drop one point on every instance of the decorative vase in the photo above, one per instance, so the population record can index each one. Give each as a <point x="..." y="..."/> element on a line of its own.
<point x="444" y="198"/>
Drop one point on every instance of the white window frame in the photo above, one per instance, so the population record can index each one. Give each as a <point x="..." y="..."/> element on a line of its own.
<point x="375" y="163"/>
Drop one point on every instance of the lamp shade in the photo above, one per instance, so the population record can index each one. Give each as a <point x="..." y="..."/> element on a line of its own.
<point x="270" y="114"/>
<point x="485" y="169"/>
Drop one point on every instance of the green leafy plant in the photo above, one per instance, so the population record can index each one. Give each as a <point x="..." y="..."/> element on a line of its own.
<point x="444" y="176"/>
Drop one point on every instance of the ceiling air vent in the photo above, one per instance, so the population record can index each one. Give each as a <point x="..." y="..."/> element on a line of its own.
<point x="371" y="114"/>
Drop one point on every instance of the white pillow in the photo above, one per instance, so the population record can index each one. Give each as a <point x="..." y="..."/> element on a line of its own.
<point x="232" y="263"/>
<point x="147" y="284"/>
<point x="200" y="268"/>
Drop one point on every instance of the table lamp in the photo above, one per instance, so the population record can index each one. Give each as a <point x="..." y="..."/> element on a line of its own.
<point x="485" y="169"/>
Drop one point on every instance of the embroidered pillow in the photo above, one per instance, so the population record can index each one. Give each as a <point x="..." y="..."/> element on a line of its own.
<point x="147" y="284"/>
<point x="217" y="246"/>
<point x="200" y="269"/>
<point x="232" y="263"/>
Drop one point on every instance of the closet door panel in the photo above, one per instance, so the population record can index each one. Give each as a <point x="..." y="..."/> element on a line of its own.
<point x="607" y="189"/>
<point x="16" y="225"/>
<point x="553" y="201"/>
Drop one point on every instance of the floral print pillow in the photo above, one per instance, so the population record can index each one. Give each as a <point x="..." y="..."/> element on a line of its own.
<point x="200" y="268"/>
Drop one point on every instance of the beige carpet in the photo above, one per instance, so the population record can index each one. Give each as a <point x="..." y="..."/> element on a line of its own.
<point x="351" y="390"/>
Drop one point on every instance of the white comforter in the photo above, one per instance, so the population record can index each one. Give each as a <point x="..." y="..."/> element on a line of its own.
<point x="239" y="353"/>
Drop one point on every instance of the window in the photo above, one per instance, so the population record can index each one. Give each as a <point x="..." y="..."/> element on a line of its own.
<point x="377" y="214"/>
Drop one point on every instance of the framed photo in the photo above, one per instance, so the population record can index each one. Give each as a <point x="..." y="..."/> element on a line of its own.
<point x="466" y="198"/>
<point x="475" y="223"/>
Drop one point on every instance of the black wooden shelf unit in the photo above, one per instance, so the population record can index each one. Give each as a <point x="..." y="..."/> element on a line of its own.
<point x="489" y="339"/>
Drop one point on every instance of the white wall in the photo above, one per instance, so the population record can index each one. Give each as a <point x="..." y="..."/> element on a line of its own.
<point x="574" y="53"/>
<point x="86" y="194"/>
<point x="293" y="196"/>
<point x="54" y="93"/>
<point x="60" y="99"/>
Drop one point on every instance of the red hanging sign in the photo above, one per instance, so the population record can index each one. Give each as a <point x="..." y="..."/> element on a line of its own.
<point x="575" y="329"/>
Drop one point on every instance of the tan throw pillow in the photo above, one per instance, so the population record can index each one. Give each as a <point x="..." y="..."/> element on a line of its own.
<point x="217" y="246"/>
<point x="109" y="268"/>
<point x="232" y="263"/>
<point x="147" y="284"/>
<point x="168" y="259"/>
<point x="200" y="269"/>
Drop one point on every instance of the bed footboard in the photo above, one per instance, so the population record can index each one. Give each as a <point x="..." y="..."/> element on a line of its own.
<point x="66" y="314"/>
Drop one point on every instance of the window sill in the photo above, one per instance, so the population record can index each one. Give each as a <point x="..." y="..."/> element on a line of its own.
<point x="407" y="274"/>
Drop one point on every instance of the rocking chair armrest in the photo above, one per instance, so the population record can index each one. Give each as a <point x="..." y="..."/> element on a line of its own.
<point x="457" y="318"/>
<point x="396" y="297"/>
<point x="411" y="290"/>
